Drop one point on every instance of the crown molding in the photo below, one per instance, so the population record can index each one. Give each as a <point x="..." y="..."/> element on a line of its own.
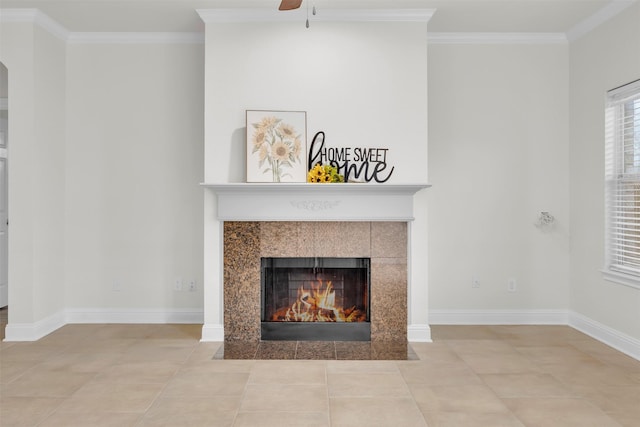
<point x="136" y="38"/>
<point x="34" y="16"/>
<point x="497" y="38"/>
<point x="600" y="17"/>
<point x="324" y="15"/>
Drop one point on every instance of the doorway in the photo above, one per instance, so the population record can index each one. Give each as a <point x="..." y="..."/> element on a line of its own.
<point x="4" y="211"/>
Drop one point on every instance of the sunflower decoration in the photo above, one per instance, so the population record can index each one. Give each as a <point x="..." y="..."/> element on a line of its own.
<point x="324" y="174"/>
<point x="278" y="145"/>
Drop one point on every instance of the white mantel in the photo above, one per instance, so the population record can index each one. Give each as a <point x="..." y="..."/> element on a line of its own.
<point x="314" y="202"/>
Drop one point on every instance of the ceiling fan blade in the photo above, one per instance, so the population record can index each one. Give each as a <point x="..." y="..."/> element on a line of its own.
<point x="290" y="4"/>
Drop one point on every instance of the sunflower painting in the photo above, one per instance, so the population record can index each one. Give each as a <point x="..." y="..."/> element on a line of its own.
<point x="276" y="146"/>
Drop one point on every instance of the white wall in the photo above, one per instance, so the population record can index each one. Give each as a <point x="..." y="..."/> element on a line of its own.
<point x="362" y="83"/>
<point x="498" y="156"/>
<point x="104" y="203"/>
<point x="602" y="60"/>
<point x="134" y="162"/>
<point x="36" y="64"/>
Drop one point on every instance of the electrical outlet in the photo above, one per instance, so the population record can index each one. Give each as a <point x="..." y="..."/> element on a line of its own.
<point x="512" y="285"/>
<point x="177" y="285"/>
<point x="475" y="282"/>
<point x="192" y="285"/>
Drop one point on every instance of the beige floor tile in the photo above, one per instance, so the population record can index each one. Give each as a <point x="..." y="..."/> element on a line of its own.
<point x="284" y="398"/>
<point x="536" y="335"/>
<point x="41" y="383"/>
<point x="481" y="347"/>
<point x="492" y="357"/>
<point x="435" y="352"/>
<point x="500" y="364"/>
<point x="615" y="399"/>
<point x="463" y="419"/>
<point x="438" y="373"/>
<point x="565" y="412"/>
<point x="104" y="345"/>
<point x="135" y="331"/>
<point x="5" y="344"/>
<point x="306" y="372"/>
<point x="219" y="366"/>
<point x="625" y="420"/>
<point x="391" y="385"/>
<point x="526" y="385"/>
<point x="206" y="384"/>
<point x="595" y="348"/>
<point x="563" y="354"/>
<point x="79" y="362"/>
<point x="97" y="419"/>
<point x="192" y="412"/>
<point x="138" y="373"/>
<point x="31" y="352"/>
<point x="184" y="332"/>
<point x="603" y="375"/>
<point x="204" y="351"/>
<point x="375" y="412"/>
<point x="282" y="419"/>
<point x="159" y="351"/>
<point x="26" y="411"/>
<point x="362" y="366"/>
<point x="465" y="398"/>
<point x="12" y="369"/>
<point x="462" y="332"/>
<point x="107" y="397"/>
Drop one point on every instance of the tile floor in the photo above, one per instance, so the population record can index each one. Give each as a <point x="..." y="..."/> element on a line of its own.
<point x="161" y="375"/>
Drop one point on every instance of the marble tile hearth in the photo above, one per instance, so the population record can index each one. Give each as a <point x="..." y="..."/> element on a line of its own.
<point x="316" y="350"/>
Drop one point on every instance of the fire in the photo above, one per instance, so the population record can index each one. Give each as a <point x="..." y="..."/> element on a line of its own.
<point x="318" y="305"/>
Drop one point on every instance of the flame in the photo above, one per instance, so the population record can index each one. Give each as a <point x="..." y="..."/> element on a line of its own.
<point x="318" y="305"/>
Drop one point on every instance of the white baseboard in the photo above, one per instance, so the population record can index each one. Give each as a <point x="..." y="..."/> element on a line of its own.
<point x="419" y="333"/>
<point x="212" y="332"/>
<point x="34" y="331"/>
<point x="110" y="315"/>
<point x="498" y="317"/>
<point x="613" y="338"/>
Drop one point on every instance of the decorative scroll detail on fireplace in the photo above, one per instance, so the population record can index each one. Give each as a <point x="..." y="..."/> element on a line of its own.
<point x="315" y="205"/>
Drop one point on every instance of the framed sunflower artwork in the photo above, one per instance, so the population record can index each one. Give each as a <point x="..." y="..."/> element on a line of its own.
<point x="276" y="146"/>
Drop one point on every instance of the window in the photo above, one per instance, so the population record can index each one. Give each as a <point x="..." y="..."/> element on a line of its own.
<point x="622" y="184"/>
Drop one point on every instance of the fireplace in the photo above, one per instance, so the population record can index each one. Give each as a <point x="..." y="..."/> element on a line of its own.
<point x="382" y="244"/>
<point x="315" y="299"/>
<point x="246" y="222"/>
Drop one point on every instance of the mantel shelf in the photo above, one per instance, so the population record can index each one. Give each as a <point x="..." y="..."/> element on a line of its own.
<point x="314" y="202"/>
<point x="315" y="189"/>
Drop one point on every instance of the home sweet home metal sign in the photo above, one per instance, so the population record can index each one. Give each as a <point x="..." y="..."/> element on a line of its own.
<point x="355" y="163"/>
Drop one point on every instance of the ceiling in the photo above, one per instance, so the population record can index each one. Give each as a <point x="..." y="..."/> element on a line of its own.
<point x="530" y="16"/>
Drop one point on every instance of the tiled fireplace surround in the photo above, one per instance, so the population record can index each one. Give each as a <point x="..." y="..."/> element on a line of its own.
<point x="245" y="242"/>
<point x="386" y="223"/>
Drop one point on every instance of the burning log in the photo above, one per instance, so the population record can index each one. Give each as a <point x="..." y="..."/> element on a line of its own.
<point x="317" y="305"/>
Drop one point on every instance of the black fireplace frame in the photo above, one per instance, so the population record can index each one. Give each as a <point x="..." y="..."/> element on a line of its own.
<point x="316" y="331"/>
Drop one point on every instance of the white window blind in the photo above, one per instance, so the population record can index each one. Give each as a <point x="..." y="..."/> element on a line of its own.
<point x="622" y="184"/>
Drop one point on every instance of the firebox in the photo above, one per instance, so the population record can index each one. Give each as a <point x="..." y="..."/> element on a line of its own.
<point x="315" y="299"/>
